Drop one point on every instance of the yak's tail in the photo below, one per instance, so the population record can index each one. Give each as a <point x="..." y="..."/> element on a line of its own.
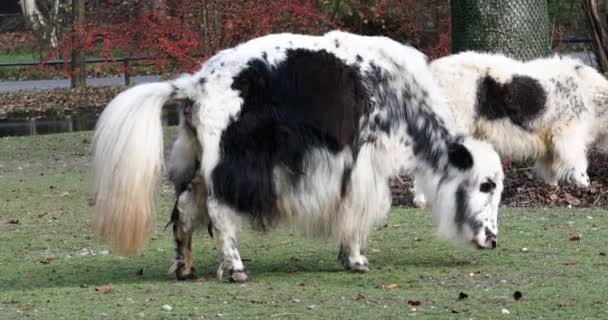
<point x="128" y="161"/>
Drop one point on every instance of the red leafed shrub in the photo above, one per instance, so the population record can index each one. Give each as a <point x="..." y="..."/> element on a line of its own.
<point x="423" y="24"/>
<point x="119" y="32"/>
<point x="178" y="34"/>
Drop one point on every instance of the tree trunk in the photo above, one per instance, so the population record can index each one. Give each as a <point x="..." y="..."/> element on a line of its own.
<point x="598" y="33"/>
<point x="79" y="72"/>
<point x="601" y="9"/>
<point x="518" y="28"/>
<point x="54" y="19"/>
<point x="160" y="6"/>
<point x="218" y="23"/>
<point x="35" y="21"/>
<point x="206" y="35"/>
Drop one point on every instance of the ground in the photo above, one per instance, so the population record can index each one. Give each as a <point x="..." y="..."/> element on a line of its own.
<point x="524" y="189"/>
<point x="52" y="267"/>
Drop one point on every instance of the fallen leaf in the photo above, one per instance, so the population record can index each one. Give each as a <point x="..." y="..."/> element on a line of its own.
<point x="200" y="280"/>
<point x="571" y="200"/>
<point x="517" y="295"/>
<point x="391" y="286"/>
<point x="312" y="307"/>
<point x="104" y="288"/>
<point x="414" y="302"/>
<point x="570" y="263"/>
<point x="140" y="272"/>
<point x="46" y="260"/>
<point x="576" y="237"/>
<point x="360" y="296"/>
<point x="462" y="296"/>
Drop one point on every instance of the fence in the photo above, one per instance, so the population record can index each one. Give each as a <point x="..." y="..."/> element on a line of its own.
<point x="125" y="61"/>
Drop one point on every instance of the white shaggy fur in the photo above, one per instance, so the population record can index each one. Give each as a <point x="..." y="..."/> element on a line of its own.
<point x="574" y="116"/>
<point x="128" y="160"/>
<point x="128" y="154"/>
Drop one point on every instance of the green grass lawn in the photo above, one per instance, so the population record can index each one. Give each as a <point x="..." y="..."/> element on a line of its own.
<point x="50" y="263"/>
<point x="17" y="57"/>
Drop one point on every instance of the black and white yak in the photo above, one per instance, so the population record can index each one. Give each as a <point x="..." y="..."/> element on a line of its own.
<point x="550" y="110"/>
<point x="296" y="129"/>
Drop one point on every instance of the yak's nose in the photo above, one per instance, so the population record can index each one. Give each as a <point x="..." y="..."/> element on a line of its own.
<point x="491" y="238"/>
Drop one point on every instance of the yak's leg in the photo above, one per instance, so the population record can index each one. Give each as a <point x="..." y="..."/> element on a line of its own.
<point x="225" y="223"/>
<point x="567" y="160"/>
<point x="351" y="256"/>
<point x="353" y="232"/>
<point x="419" y="198"/>
<point x="188" y="214"/>
<point x="570" y="155"/>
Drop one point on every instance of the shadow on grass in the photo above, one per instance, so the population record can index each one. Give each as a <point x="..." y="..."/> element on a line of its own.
<point x="92" y="271"/>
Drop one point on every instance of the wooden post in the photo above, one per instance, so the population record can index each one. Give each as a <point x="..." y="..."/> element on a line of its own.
<point x="79" y="70"/>
<point x="125" y="64"/>
<point x="69" y="123"/>
<point x="32" y="126"/>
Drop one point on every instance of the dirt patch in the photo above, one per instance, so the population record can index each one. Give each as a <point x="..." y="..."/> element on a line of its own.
<point x="59" y="101"/>
<point x="524" y="189"/>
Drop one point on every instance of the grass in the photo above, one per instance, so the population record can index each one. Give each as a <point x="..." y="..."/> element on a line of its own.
<point x="55" y="72"/>
<point x="50" y="264"/>
<point x="17" y="57"/>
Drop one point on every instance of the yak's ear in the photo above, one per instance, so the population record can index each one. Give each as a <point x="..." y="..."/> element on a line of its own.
<point x="459" y="156"/>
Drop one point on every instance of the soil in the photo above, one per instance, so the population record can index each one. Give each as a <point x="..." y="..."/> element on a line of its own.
<point x="524" y="189"/>
<point x="57" y="101"/>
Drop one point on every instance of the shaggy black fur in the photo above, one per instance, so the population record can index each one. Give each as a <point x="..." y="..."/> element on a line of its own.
<point x="428" y="135"/>
<point x="310" y="100"/>
<point x="521" y="100"/>
<point x="459" y="156"/>
<point x="487" y="186"/>
<point x="462" y="207"/>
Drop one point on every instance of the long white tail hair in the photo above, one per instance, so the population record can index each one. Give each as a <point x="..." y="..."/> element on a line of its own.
<point x="128" y="162"/>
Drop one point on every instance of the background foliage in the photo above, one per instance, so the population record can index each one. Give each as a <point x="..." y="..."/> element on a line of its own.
<point x="178" y="34"/>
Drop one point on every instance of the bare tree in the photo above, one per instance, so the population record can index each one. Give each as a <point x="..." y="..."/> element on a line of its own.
<point x="43" y="26"/>
<point x="598" y="33"/>
<point x="79" y="72"/>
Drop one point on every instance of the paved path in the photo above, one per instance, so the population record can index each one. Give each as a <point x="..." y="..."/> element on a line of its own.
<point x="27" y="85"/>
<point x="12" y="86"/>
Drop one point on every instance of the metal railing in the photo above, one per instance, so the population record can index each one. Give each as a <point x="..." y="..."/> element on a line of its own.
<point x="125" y="61"/>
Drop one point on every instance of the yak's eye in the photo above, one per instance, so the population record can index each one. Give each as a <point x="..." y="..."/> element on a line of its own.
<point x="487" y="187"/>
